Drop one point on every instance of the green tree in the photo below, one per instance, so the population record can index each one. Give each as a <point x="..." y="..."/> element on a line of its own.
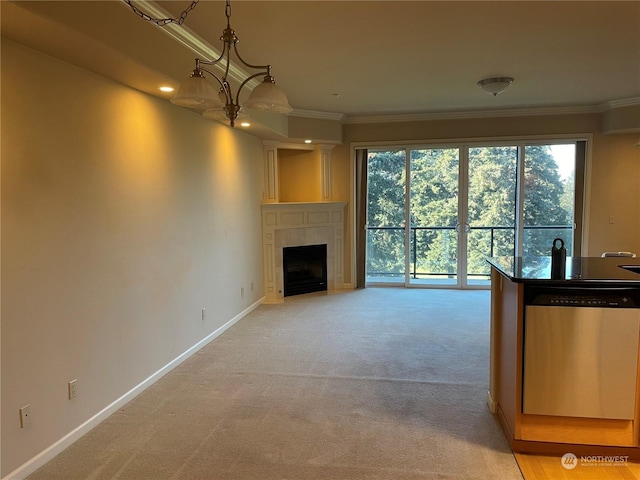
<point x="491" y="203"/>
<point x="385" y="211"/>
<point x="434" y="206"/>
<point x="543" y="205"/>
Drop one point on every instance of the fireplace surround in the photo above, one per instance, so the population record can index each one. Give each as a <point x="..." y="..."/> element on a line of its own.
<point x="294" y="224"/>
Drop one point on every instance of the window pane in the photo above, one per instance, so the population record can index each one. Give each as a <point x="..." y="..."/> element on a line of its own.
<point x="549" y="193"/>
<point x="434" y="214"/>
<point x="491" y="208"/>
<point x="385" y="216"/>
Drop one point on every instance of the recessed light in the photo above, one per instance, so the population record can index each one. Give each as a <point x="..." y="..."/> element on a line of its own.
<point x="307" y="141"/>
<point x="167" y="89"/>
<point x="245" y="124"/>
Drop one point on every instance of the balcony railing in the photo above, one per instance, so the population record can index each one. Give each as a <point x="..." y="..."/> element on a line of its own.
<point x="415" y="245"/>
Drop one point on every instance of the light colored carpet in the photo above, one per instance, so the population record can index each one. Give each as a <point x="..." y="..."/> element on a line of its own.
<point x="381" y="383"/>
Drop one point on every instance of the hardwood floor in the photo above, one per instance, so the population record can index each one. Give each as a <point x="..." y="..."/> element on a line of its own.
<point x="537" y="467"/>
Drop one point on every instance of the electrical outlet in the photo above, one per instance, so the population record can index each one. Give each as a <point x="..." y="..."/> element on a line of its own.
<point x="204" y="314"/>
<point x="25" y="416"/>
<point x="73" y="388"/>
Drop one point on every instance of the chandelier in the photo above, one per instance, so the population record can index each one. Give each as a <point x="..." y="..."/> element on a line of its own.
<point x="221" y="101"/>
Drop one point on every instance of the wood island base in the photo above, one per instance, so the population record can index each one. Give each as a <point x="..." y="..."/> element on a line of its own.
<point x="539" y="434"/>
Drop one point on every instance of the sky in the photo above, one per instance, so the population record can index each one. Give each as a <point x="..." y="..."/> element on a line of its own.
<point x="565" y="157"/>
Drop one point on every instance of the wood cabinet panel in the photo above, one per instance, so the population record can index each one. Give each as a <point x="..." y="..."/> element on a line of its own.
<point x="588" y="431"/>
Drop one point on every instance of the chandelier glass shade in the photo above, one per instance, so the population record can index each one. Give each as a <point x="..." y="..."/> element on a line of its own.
<point x="268" y="96"/>
<point x="197" y="92"/>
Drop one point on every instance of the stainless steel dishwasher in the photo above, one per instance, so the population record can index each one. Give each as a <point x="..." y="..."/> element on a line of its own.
<point x="581" y="352"/>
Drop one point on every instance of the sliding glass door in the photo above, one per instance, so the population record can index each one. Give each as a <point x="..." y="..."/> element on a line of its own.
<point x="433" y="243"/>
<point x="435" y="214"/>
<point x="490" y="208"/>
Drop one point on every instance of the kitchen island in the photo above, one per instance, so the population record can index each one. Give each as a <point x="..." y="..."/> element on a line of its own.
<point x="564" y="374"/>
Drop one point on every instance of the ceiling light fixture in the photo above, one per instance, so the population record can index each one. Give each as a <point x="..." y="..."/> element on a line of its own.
<point x="495" y="85"/>
<point x="198" y="92"/>
<point x="167" y="89"/>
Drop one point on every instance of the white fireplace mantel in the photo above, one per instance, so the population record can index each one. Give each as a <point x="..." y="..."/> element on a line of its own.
<point x="297" y="224"/>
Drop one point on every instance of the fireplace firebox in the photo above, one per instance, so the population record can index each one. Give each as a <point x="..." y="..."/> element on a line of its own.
<point x="305" y="269"/>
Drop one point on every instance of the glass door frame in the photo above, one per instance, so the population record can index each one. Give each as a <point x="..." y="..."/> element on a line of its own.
<point x="463" y="226"/>
<point x="464" y="145"/>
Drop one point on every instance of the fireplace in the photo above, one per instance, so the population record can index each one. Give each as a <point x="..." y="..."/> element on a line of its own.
<point x="304" y="269"/>
<point x="287" y="225"/>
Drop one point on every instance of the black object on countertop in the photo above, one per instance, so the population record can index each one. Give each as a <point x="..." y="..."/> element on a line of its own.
<point x="558" y="260"/>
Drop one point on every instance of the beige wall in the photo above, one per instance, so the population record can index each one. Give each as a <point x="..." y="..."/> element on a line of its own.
<point x="615" y="166"/>
<point x="122" y="217"/>
<point x="615" y="192"/>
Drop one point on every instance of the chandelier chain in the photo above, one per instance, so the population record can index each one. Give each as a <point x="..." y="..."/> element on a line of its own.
<point x="227" y="12"/>
<point x="163" y="21"/>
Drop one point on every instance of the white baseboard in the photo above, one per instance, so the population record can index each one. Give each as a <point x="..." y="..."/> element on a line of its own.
<point x="493" y="406"/>
<point x="50" y="452"/>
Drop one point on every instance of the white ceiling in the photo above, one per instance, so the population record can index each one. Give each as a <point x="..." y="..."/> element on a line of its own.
<point x="381" y="57"/>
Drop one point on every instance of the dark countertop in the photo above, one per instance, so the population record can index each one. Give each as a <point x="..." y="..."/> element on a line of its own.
<point x="579" y="270"/>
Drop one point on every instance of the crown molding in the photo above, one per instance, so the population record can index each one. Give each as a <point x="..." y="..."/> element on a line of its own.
<point x="317" y="115"/>
<point x="453" y="115"/>
<point x="463" y="114"/>
<point x="187" y="37"/>
<point x="625" y="102"/>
